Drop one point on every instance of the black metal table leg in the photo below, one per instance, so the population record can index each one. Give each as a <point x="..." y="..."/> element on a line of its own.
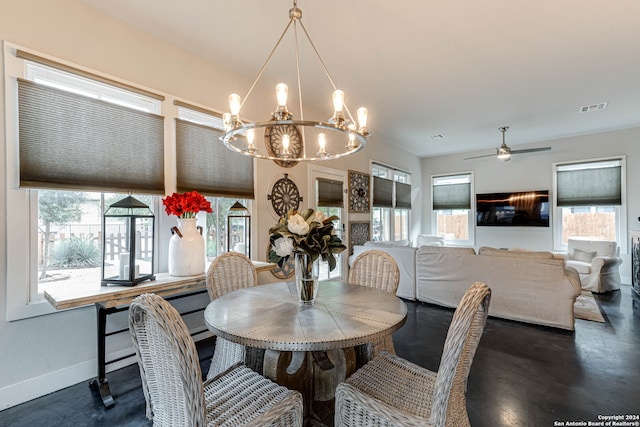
<point x="101" y="382"/>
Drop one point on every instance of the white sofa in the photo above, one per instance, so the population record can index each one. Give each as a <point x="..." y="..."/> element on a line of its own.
<point x="532" y="287"/>
<point x="596" y="261"/>
<point x="527" y="286"/>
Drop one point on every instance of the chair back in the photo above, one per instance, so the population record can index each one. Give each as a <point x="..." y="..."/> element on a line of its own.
<point x="460" y="347"/>
<point x="376" y="269"/>
<point x="601" y="248"/>
<point x="229" y="272"/>
<point x="168" y="362"/>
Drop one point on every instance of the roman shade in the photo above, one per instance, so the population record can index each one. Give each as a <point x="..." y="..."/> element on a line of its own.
<point x="452" y="196"/>
<point x="382" y="192"/>
<point x="597" y="186"/>
<point x="70" y="141"/>
<point x="204" y="164"/>
<point x="403" y="195"/>
<point x="330" y="193"/>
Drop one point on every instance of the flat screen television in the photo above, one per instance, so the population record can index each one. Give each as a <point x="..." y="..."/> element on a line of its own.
<point x="515" y="209"/>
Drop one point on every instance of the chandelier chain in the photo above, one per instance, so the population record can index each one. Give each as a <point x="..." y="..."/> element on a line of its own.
<point x="295" y="34"/>
<point x="264" y="66"/>
<point x="324" y="67"/>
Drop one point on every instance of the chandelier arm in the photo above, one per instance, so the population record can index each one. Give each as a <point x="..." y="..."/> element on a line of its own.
<point x="324" y="67"/>
<point x="264" y="66"/>
<point x="295" y="33"/>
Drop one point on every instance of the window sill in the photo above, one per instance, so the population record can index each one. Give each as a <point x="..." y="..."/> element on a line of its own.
<point x="28" y="310"/>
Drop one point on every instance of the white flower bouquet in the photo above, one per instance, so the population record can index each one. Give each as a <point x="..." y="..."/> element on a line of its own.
<point x="309" y="232"/>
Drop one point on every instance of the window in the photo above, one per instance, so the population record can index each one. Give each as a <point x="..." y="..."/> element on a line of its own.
<point x="216" y="225"/>
<point x="327" y="187"/>
<point x="391" y="213"/>
<point x="211" y="169"/>
<point x="69" y="236"/>
<point x="330" y="201"/>
<point x="590" y="201"/>
<point x="59" y="189"/>
<point x="452" y="209"/>
<point x="60" y="165"/>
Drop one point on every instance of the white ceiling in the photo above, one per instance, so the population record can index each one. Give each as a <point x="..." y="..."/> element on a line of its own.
<point x="456" y="68"/>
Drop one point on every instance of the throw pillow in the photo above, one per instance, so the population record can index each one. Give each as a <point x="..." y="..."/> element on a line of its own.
<point x="583" y="256"/>
<point x="488" y="251"/>
<point x="431" y="240"/>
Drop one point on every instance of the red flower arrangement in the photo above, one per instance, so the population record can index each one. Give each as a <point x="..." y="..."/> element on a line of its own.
<point x="186" y="205"/>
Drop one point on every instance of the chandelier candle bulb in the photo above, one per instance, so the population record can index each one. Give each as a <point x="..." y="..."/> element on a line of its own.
<point x="322" y="143"/>
<point x="234" y="104"/>
<point x="338" y="102"/>
<point x="282" y="92"/>
<point x="285" y="145"/>
<point x="251" y="134"/>
<point x="226" y="120"/>
<point x="352" y="137"/>
<point x="362" y="118"/>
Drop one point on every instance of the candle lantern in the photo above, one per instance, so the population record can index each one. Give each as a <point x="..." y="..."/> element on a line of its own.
<point x="239" y="229"/>
<point x="128" y="228"/>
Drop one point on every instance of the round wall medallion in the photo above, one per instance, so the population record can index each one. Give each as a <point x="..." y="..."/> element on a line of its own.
<point x="284" y="196"/>
<point x="273" y="141"/>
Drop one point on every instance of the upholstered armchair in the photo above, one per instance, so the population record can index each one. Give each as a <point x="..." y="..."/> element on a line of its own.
<point x="597" y="262"/>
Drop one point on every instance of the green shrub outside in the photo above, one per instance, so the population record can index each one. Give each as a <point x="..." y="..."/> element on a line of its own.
<point x="75" y="252"/>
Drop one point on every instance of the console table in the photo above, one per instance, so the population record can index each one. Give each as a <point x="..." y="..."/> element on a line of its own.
<point x="114" y="298"/>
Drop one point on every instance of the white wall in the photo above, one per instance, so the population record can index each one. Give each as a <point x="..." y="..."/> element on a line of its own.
<point x="534" y="172"/>
<point x="46" y="353"/>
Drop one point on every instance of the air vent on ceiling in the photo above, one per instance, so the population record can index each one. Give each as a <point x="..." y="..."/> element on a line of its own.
<point x="593" y="107"/>
<point x="438" y="136"/>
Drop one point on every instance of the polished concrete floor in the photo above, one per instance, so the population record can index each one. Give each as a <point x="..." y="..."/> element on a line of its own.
<point x="522" y="375"/>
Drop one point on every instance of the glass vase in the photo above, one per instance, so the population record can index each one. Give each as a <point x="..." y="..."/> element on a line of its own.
<point x="186" y="249"/>
<point x="307" y="272"/>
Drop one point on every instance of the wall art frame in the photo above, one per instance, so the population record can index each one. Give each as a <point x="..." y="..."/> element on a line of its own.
<point x="359" y="233"/>
<point x="359" y="192"/>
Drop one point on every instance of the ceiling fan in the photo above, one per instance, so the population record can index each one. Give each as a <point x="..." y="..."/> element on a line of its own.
<point x="504" y="152"/>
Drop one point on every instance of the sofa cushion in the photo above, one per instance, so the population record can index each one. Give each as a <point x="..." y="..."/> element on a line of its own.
<point x="485" y="250"/>
<point x="580" y="266"/>
<point x="583" y="256"/>
<point x="388" y="244"/>
<point x="453" y="250"/>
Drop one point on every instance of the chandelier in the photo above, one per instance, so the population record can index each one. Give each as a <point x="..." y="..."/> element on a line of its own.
<point x="285" y="140"/>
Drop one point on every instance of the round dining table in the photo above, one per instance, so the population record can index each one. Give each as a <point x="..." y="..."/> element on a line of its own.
<point x="310" y="348"/>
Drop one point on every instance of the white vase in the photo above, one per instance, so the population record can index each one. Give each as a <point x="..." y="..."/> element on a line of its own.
<point x="186" y="250"/>
<point x="307" y="273"/>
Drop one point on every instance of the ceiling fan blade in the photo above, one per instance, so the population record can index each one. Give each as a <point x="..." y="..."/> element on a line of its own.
<point x="530" y="150"/>
<point x="477" y="157"/>
<point x="526" y="150"/>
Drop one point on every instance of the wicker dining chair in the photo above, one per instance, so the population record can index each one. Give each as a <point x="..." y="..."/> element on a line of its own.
<point x="229" y="272"/>
<point x="376" y="269"/>
<point x="172" y="379"/>
<point x="390" y="391"/>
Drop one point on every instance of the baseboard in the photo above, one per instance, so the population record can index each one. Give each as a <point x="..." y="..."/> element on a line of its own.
<point x="35" y="387"/>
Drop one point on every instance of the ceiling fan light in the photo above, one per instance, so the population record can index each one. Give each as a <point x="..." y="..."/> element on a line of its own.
<point x="503" y="154"/>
